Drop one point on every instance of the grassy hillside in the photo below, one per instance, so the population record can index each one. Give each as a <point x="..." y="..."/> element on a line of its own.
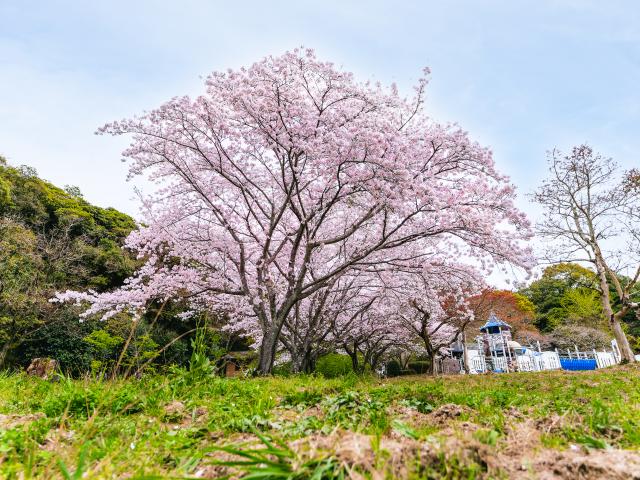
<point x="189" y="424"/>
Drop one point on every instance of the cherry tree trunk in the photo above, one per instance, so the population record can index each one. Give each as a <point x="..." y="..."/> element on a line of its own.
<point x="431" y="355"/>
<point x="267" y="353"/>
<point x="302" y="361"/>
<point x="465" y="353"/>
<point x="297" y="362"/>
<point x="308" y="364"/>
<point x="355" y="363"/>
<point x="432" y="367"/>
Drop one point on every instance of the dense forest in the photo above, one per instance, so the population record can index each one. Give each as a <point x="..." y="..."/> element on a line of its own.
<point x="51" y="239"/>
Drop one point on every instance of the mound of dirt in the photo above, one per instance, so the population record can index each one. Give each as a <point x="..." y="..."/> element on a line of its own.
<point x="594" y="465"/>
<point x="12" y="421"/>
<point x="521" y="455"/>
<point x="217" y="469"/>
<point x="357" y="453"/>
<point x="409" y="415"/>
<point x="57" y="439"/>
<point x="174" y="409"/>
<point x="517" y="451"/>
<point x="440" y="417"/>
<point x="551" y="424"/>
<point x="444" y="414"/>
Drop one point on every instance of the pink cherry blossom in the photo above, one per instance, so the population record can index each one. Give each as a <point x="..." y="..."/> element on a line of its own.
<point x="286" y="180"/>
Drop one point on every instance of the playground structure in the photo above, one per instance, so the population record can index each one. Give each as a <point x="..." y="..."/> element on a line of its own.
<point x="496" y="351"/>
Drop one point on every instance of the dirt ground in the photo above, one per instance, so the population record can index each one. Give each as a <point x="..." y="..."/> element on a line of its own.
<point x="519" y="454"/>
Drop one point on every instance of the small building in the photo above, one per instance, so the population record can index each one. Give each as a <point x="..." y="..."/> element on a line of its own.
<point x="234" y="363"/>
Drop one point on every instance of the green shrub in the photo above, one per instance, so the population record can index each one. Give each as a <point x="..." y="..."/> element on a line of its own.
<point x="393" y="368"/>
<point x="354" y="410"/>
<point x="420" y="366"/>
<point x="284" y="369"/>
<point x="303" y="397"/>
<point x="127" y="401"/>
<point x="334" y="365"/>
<point x="423" y="405"/>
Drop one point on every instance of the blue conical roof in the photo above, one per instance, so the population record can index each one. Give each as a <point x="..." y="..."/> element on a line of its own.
<point x="494" y="321"/>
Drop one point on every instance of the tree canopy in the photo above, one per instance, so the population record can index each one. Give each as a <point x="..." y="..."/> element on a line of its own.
<point x="289" y="174"/>
<point x="51" y="240"/>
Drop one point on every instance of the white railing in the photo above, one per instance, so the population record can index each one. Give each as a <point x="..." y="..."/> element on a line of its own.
<point x="477" y="364"/>
<point x="534" y="361"/>
<point x="499" y="364"/>
<point x="528" y="362"/>
<point x="548" y="360"/>
<point x="605" y="359"/>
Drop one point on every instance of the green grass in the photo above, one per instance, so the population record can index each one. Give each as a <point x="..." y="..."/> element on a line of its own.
<point x="126" y="428"/>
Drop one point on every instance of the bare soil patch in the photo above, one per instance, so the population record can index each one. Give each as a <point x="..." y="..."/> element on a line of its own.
<point x="8" y="422"/>
<point x="444" y="414"/>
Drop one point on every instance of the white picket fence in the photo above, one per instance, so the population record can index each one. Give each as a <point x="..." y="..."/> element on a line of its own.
<point x="605" y="359"/>
<point x="530" y="360"/>
<point x="533" y="362"/>
<point x="476" y="364"/>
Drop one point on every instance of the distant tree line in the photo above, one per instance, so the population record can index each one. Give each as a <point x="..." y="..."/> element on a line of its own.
<point x="568" y="308"/>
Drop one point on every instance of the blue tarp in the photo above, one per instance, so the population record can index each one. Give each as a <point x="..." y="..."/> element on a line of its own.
<point x="578" y="364"/>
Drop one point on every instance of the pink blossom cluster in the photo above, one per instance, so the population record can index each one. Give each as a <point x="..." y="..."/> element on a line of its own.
<point x="289" y="179"/>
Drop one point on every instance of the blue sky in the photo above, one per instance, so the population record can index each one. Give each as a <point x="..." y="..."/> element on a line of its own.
<point x="520" y="76"/>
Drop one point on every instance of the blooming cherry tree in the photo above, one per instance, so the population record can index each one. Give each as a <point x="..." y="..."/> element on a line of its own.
<point x="309" y="331"/>
<point x="432" y="305"/>
<point x="288" y="174"/>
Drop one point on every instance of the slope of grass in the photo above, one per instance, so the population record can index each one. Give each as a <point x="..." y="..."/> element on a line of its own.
<point x="183" y="425"/>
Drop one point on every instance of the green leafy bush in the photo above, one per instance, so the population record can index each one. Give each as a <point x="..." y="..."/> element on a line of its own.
<point x="334" y="365"/>
<point x="128" y="401"/>
<point x="422" y="405"/>
<point x="393" y="368"/>
<point x="304" y="398"/>
<point x="284" y="369"/>
<point x="419" y="367"/>
<point x="75" y="400"/>
<point x="353" y="410"/>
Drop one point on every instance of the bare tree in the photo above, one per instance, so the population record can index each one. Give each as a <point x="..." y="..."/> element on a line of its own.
<point x="591" y="215"/>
